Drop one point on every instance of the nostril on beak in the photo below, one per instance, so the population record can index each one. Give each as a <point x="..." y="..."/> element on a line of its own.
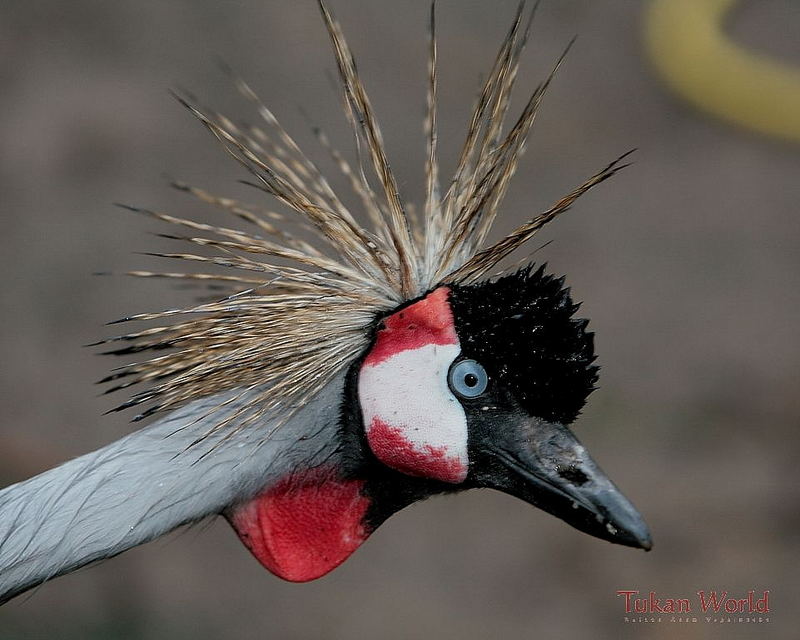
<point x="572" y="474"/>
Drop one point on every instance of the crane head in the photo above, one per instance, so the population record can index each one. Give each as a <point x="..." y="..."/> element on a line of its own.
<point x="469" y="386"/>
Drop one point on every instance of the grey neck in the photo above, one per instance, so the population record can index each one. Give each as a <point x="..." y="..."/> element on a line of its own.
<point x="152" y="481"/>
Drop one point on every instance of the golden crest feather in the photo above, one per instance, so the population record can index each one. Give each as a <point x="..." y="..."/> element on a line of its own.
<point x="289" y="329"/>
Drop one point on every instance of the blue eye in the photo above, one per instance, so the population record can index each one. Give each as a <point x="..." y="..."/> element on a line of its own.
<point x="468" y="379"/>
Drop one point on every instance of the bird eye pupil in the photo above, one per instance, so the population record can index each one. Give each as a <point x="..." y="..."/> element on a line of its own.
<point x="468" y="378"/>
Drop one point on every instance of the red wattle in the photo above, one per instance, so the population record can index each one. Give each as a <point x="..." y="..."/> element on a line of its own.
<point x="305" y="525"/>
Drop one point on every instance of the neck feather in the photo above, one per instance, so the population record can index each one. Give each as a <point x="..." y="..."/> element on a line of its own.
<point x="152" y="481"/>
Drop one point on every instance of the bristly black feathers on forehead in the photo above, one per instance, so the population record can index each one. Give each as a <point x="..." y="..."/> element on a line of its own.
<point x="520" y="328"/>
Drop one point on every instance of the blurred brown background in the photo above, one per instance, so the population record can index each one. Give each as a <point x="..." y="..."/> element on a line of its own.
<point x="688" y="264"/>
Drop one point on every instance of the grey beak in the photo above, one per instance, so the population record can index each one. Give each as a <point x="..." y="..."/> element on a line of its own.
<point x="545" y="465"/>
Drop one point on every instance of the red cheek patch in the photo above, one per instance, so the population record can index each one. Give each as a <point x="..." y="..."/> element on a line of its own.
<point x="412" y="420"/>
<point x="391" y="447"/>
<point x="428" y="321"/>
<point x="305" y="525"/>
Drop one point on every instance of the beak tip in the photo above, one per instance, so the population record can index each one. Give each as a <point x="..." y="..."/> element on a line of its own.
<point x="646" y="544"/>
<point x="637" y="536"/>
<point x="630" y="539"/>
<point x="624" y="523"/>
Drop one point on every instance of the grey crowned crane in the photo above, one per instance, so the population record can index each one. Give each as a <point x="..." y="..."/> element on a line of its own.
<point x="340" y="380"/>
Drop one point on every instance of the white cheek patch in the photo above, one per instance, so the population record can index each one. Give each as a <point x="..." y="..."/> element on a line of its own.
<point x="413" y="422"/>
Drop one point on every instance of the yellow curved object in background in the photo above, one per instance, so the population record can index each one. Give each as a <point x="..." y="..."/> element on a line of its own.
<point x="686" y="42"/>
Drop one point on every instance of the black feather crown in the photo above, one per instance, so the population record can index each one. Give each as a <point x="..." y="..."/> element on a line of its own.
<point x="520" y="327"/>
